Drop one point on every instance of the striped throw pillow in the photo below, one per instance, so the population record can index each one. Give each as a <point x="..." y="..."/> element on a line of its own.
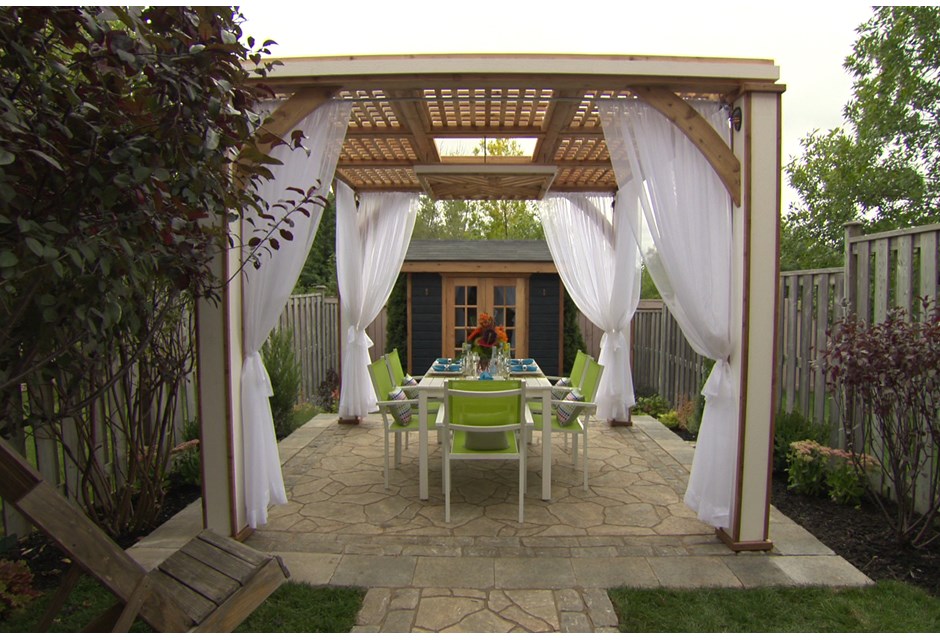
<point x="402" y="410"/>
<point x="407" y="382"/>
<point x="567" y="413"/>
<point x="558" y="394"/>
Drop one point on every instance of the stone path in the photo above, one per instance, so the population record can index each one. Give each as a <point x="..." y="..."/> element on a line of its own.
<point x="486" y="572"/>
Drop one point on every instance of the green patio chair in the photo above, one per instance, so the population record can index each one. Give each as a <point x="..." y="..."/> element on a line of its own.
<point x="574" y="380"/>
<point x="579" y="414"/>
<point x="395" y="369"/>
<point x="398" y="416"/>
<point x="483" y="420"/>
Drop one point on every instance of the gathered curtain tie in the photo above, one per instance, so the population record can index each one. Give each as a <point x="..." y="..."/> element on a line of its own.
<point x="719" y="381"/>
<point x="254" y="368"/>
<point x="358" y="337"/>
<point x="617" y="339"/>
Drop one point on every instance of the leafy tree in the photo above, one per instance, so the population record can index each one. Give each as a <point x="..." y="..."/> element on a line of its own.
<point x="648" y="290"/>
<point x="447" y="220"/>
<point x="480" y="219"/>
<point x="319" y="270"/>
<point x="883" y="167"/>
<point x="119" y="128"/>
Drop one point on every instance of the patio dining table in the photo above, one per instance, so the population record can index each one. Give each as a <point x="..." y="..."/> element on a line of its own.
<point x="432" y="386"/>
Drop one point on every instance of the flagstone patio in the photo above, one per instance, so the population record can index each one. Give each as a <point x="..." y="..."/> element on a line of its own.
<point x="484" y="571"/>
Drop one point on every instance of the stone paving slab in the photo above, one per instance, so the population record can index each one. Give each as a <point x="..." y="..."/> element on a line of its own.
<point x="485" y="572"/>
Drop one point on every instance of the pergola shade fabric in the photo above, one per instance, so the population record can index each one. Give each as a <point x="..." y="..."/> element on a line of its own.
<point x="596" y="255"/>
<point x="266" y="290"/>
<point x="687" y="219"/>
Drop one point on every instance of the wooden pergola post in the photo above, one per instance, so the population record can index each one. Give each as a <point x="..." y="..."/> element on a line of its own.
<point x="755" y="280"/>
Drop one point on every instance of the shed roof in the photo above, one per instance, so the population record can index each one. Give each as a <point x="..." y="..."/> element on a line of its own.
<point x="478" y="251"/>
<point x="403" y="104"/>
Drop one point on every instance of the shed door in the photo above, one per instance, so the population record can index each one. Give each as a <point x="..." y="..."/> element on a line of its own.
<point x="466" y="297"/>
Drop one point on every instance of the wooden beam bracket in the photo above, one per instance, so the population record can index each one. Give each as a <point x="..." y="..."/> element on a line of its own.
<point x="700" y="132"/>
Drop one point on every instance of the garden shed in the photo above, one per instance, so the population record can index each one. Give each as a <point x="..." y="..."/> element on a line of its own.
<point x="450" y="281"/>
<point x="691" y="147"/>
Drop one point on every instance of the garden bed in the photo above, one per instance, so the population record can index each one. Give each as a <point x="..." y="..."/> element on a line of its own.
<point x="861" y="536"/>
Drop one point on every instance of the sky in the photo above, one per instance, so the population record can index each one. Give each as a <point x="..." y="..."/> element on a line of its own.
<point x="807" y="41"/>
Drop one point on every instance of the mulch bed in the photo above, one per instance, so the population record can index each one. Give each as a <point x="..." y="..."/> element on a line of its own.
<point x="861" y="536"/>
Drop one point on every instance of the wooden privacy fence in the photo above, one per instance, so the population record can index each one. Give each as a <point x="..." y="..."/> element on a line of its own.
<point x="313" y="320"/>
<point x="809" y="303"/>
<point x="663" y="360"/>
<point x="882" y="271"/>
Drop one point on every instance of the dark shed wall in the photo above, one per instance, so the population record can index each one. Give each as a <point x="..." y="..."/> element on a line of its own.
<point x="426" y="320"/>
<point x="544" y="321"/>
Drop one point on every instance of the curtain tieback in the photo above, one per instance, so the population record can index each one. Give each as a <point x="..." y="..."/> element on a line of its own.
<point x="358" y="337"/>
<point x="617" y="339"/>
<point x="255" y="370"/>
<point x="719" y="381"/>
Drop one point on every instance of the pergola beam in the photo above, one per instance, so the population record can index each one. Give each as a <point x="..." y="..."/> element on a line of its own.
<point x="700" y="132"/>
<point x="408" y="114"/>
<point x="560" y="115"/>
<point x="293" y="110"/>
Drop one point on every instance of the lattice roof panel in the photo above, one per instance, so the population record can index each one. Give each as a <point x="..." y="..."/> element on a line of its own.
<point x="401" y="104"/>
<point x="379" y="179"/>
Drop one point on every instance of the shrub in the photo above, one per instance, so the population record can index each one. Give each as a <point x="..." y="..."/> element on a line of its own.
<point x="572" y="338"/>
<point x="16" y="586"/>
<point x="690" y="413"/>
<point x="816" y="470"/>
<point x="187" y="464"/>
<point x="846" y="482"/>
<point x="807" y="468"/>
<point x="284" y="373"/>
<point x="328" y="392"/>
<point x="396" y="331"/>
<point x="793" y="427"/>
<point x="892" y="369"/>
<point x="653" y="406"/>
<point x="670" y="419"/>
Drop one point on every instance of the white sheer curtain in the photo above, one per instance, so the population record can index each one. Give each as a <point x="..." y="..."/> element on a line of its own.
<point x="370" y="247"/>
<point x="593" y="248"/>
<point x="266" y="291"/>
<point x="686" y="242"/>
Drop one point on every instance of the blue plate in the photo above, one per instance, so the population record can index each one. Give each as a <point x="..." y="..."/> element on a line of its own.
<point x="443" y="361"/>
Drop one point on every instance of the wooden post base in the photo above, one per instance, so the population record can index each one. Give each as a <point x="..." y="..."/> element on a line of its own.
<point x="751" y="545"/>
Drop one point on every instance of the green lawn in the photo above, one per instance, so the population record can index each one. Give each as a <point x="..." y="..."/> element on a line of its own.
<point x="293" y="608"/>
<point x="886" y="607"/>
<point x="303" y="413"/>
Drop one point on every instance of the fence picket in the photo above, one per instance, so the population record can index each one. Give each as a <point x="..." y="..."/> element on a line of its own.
<point x="821" y="320"/>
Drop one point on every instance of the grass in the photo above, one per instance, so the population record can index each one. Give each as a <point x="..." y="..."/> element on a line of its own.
<point x="888" y="606"/>
<point x="303" y="413"/>
<point x="293" y="608"/>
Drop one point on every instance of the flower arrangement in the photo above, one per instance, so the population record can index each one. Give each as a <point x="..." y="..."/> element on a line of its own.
<point x="486" y="336"/>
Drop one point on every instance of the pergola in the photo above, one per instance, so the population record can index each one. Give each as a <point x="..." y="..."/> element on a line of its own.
<point x="404" y="106"/>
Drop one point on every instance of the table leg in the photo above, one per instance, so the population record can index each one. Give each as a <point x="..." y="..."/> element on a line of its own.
<point x="546" y="444"/>
<point x="422" y="445"/>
